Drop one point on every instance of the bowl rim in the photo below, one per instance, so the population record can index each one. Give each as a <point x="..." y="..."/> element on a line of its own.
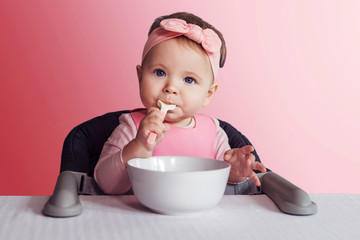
<point x="226" y="165"/>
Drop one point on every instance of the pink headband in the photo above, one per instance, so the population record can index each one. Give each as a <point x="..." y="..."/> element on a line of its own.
<point x="174" y="27"/>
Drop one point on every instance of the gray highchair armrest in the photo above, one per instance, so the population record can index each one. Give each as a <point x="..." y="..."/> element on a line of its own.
<point x="65" y="200"/>
<point x="288" y="197"/>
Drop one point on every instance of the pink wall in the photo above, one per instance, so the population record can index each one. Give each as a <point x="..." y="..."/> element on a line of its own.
<point x="291" y="81"/>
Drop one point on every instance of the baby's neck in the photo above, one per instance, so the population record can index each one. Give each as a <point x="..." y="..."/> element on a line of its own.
<point x="185" y="123"/>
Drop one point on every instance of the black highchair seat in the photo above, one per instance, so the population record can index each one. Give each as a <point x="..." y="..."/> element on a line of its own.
<point x="82" y="148"/>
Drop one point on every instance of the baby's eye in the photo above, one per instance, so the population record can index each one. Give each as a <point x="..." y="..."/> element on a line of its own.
<point x="189" y="80"/>
<point x="159" y="73"/>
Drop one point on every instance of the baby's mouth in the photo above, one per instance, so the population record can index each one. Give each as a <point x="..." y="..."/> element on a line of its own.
<point x="168" y="103"/>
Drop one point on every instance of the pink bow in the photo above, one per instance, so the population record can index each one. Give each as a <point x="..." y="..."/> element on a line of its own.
<point x="173" y="27"/>
<point x="208" y="39"/>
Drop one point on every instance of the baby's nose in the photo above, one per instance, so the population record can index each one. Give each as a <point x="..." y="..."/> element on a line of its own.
<point x="171" y="89"/>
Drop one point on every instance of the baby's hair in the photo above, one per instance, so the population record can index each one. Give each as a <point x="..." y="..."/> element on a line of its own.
<point x="191" y="18"/>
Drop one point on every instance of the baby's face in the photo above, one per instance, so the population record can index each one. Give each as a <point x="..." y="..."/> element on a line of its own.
<point x="177" y="74"/>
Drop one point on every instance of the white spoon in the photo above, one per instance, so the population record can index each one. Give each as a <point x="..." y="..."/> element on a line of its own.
<point x="163" y="108"/>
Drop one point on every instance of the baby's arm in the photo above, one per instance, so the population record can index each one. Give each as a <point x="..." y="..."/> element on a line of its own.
<point x="110" y="171"/>
<point x="139" y="147"/>
<point x="124" y="144"/>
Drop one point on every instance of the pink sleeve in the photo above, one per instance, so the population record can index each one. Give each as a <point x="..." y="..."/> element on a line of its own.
<point x="110" y="172"/>
<point x="221" y="142"/>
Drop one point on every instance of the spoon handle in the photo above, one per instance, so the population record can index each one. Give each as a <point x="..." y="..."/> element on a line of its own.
<point x="151" y="138"/>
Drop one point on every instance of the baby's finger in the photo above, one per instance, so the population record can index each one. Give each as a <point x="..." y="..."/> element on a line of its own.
<point x="158" y="127"/>
<point x="258" y="166"/>
<point x="229" y="156"/>
<point x="253" y="176"/>
<point x="157" y="132"/>
<point x="161" y="135"/>
<point x="246" y="149"/>
<point x="155" y="113"/>
<point x="250" y="159"/>
<point x="150" y="109"/>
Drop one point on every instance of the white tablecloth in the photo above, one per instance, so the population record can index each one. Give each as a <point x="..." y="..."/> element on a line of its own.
<point x="235" y="217"/>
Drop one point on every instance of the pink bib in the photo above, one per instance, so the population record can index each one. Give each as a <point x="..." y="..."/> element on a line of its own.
<point x="195" y="142"/>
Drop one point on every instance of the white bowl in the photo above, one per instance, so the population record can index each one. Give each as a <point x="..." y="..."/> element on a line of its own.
<point x="178" y="185"/>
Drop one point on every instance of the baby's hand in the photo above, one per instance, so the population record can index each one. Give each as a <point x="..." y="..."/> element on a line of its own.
<point x="152" y="122"/>
<point x="243" y="163"/>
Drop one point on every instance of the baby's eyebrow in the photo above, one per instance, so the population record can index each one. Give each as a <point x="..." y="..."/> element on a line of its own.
<point x="159" y="65"/>
<point x="192" y="75"/>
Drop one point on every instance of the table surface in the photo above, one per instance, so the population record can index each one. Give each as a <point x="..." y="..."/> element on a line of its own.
<point x="235" y="217"/>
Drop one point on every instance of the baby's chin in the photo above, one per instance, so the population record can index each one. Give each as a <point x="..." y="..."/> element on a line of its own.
<point x="171" y="118"/>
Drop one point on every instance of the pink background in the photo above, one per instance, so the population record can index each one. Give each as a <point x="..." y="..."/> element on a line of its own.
<point x="290" y="84"/>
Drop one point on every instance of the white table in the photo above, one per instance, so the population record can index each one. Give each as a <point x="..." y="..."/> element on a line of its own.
<point x="235" y="217"/>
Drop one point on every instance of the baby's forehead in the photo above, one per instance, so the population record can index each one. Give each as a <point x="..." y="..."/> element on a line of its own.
<point x="177" y="49"/>
<point x="186" y="42"/>
<point x="179" y="56"/>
